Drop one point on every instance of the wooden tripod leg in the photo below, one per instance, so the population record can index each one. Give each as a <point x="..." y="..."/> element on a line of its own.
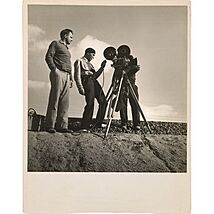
<point x="137" y="103"/>
<point x="114" y="107"/>
<point x="108" y="95"/>
<point x="111" y="100"/>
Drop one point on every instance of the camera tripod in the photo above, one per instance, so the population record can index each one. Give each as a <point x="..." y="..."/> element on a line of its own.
<point x="114" y="93"/>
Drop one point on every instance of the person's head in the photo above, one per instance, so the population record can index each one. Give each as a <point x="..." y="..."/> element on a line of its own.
<point x="90" y="54"/>
<point x="66" y="35"/>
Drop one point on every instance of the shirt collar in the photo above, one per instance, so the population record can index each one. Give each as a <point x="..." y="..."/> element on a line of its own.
<point x="85" y="59"/>
<point x="62" y="42"/>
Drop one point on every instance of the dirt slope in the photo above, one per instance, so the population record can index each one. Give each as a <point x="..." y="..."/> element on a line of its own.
<point x="120" y="152"/>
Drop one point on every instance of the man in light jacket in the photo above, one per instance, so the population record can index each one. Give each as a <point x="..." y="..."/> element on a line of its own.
<point x="85" y="77"/>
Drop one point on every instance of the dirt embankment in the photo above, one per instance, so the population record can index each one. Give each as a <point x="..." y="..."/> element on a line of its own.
<point x="119" y="152"/>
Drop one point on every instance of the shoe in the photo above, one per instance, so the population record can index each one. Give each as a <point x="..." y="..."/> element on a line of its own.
<point x="65" y="130"/>
<point x="91" y="126"/>
<point x="103" y="125"/>
<point x="137" y="128"/>
<point x="124" y="127"/>
<point x="84" y="131"/>
<point x="51" y="130"/>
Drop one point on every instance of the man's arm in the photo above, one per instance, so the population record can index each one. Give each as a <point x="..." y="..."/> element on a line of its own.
<point x="77" y="76"/>
<point x="50" y="56"/>
<point x="133" y="68"/>
<point x="71" y="80"/>
<point x="97" y="74"/>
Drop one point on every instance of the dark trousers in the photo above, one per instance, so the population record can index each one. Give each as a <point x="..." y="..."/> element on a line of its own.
<point x="134" y="108"/>
<point x="93" y="90"/>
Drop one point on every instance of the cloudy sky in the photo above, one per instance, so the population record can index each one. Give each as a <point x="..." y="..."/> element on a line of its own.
<point x="157" y="36"/>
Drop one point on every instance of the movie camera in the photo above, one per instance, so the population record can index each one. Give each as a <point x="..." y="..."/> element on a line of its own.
<point x="120" y="58"/>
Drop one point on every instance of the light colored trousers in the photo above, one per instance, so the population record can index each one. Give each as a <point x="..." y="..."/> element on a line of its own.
<point x="57" y="110"/>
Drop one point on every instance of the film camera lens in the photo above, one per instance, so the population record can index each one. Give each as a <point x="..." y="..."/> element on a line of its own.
<point x="109" y="53"/>
<point x="123" y="50"/>
<point x="119" y="57"/>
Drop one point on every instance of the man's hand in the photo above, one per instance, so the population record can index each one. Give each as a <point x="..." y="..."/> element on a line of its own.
<point x="137" y="67"/>
<point x="103" y="64"/>
<point x="71" y="83"/>
<point x="132" y="69"/>
<point x="89" y="73"/>
<point x="81" y="91"/>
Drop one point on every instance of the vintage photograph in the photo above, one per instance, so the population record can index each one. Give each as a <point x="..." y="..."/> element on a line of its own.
<point x="107" y="88"/>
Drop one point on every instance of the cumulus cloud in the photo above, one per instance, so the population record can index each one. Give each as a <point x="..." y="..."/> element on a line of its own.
<point x="39" y="45"/>
<point x="164" y="110"/>
<point x="34" y="32"/>
<point x="90" y="41"/>
<point x="36" y="40"/>
<point x="160" y="112"/>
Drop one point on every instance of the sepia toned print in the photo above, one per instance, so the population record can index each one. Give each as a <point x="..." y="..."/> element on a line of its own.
<point x="108" y="95"/>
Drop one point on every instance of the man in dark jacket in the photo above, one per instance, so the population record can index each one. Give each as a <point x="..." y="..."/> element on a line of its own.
<point x="126" y="95"/>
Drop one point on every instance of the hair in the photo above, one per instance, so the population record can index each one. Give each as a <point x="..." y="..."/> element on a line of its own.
<point x="90" y="50"/>
<point x="65" y="32"/>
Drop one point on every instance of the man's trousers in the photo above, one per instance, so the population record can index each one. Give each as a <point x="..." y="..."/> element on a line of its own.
<point x="57" y="111"/>
<point x="93" y="90"/>
<point x="134" y="108"/>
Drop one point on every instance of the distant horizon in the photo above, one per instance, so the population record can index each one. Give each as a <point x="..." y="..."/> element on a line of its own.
<point x="76" y="114"/>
